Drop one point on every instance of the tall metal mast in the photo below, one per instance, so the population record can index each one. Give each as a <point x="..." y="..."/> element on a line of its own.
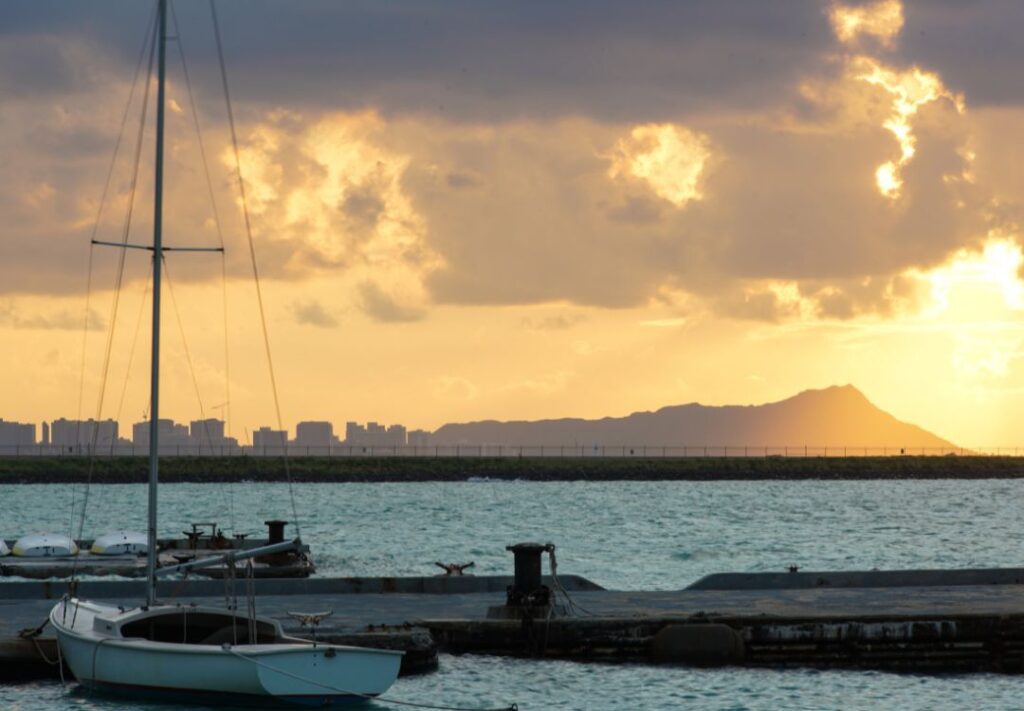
<point x="154" y="396"/>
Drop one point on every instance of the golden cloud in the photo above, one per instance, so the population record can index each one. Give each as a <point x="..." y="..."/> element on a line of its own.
<point x="881" y="20"/>
<point x="669" y="158"/>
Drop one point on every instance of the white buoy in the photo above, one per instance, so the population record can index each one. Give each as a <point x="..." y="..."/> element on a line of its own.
<point x="120" y="543"/>
<point x="45" y="545"/>
<point x="4" y="550"/>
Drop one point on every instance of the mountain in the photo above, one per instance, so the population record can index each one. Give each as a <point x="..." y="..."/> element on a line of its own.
<point x="835" y="416"/>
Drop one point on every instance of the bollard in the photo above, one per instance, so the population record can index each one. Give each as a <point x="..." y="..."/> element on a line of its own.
<point x="528" y="597"/>
<point x="275" y="531"/>
<point x="275" y="534"/>
<point x="527" y="577"/>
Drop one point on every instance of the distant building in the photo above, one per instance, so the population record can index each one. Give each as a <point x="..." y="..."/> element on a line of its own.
<point x="315" y="434"/>
<point x="15" y="434"/>
<point x="355" y="433"/>
<point x="45" y="438"/>
<point x="80" y="434"/>
<point x="265" y="438"/>
<point x="374" y="434"/>
<point x="418" y="438"/>
<point x="207" y="437"/>
<point x="209" y="431"/>
<point x="171" y="434"/>
<point x="395" y="435"/>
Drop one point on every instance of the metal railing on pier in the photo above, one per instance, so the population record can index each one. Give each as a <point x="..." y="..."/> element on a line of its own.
<point x="509" y="451"/>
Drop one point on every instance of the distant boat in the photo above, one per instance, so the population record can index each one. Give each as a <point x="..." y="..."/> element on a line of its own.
<point x="179" y="652"/>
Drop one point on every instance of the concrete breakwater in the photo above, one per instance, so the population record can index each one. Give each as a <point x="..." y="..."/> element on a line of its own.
<point x="929" y="622"/>
<point x="125" y="470"/>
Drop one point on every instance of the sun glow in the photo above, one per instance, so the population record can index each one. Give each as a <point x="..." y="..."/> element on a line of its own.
<point x="995" y="271"/>
<point x="910" y="90"/>
<point x="668" y="157"/>
<point x="882" y="20"/>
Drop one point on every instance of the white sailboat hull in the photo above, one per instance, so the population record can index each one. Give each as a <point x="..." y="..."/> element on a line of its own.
<point x="293" y="671"/>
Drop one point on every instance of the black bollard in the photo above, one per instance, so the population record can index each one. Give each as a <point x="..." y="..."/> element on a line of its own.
<point x="528" y="596"/>
<point x="527" y="568"/>
<point x="275" y="531"/>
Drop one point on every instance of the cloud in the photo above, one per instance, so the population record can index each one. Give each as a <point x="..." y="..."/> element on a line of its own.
<point x="881" y="20"/>
<point x="313" y="313"/>
<point x="382" y="306"/>
<point x="667" y="157"/>
<point x="62" y="320"/>
<point x="555" y="322"/>
<point x="604" y="181"/>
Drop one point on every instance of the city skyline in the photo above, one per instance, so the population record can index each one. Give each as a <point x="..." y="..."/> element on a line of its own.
<point x="208" y="432"/>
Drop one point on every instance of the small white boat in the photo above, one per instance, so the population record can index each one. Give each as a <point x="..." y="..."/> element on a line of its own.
<point x="120" y="543"/>
<point x="45" y="545"/>
<point x="4" y="550"/>
<point x="170" y="651"/>
<point x="194" y="653"/>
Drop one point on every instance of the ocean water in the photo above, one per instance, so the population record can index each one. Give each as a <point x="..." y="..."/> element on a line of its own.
<point x="623" y="535"/>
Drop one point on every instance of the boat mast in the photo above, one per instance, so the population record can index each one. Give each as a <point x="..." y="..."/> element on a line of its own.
<point x="154" y="393"/>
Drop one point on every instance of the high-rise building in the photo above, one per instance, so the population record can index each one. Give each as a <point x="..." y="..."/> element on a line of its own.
<point x="418" y="438"/>
<point x="15" y="434"/>
<point x="374" y="434"/>
<point x="396" y="435"/>
<point x="314" y="434"/>
<point x="265" y="438"/>
<point x="171" y="434"/>
<point x="81" y="434"/>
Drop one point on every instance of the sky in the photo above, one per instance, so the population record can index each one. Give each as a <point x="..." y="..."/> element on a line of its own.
<point x="483" y="210"/>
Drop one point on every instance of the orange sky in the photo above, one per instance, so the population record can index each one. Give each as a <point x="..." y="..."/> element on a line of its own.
<point x="856" y="226"/>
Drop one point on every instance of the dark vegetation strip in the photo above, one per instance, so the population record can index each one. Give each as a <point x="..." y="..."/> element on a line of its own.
<point x="122" y="470"/>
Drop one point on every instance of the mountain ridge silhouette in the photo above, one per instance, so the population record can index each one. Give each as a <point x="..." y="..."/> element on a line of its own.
<point x="839" y="415"/>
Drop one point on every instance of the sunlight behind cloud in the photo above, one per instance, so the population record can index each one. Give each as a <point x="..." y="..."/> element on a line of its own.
<point x="986" y="275"/>
<point x="882" y="20"/>
<point x="910" y="90"/>
<point x="668" y="157"/>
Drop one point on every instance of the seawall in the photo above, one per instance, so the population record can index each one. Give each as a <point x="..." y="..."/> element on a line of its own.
<point x="124" y="470"/>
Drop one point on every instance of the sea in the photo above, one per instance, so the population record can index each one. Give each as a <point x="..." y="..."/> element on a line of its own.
<point x="622" y="535"/>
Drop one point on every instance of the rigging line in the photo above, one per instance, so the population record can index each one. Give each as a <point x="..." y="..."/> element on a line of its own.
<point x="252" y="257"/>
<point x="103" y="199"/>
<point x="188" y="354"/>
<point x="117" y="290"/>
<point x="95" y="228"/>
<point x="216" y="218"/>
<point x="135" y="339"/>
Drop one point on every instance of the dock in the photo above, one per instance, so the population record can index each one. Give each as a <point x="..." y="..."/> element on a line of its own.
<point x="921" y="621"/>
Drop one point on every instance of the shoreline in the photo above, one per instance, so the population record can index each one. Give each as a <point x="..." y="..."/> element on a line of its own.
<point x="131" y="470"/>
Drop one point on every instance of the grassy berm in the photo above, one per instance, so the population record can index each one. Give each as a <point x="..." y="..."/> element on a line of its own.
<point x="123" y="470"/>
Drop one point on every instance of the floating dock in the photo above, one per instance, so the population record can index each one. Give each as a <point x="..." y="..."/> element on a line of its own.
<point x="921" y="621"/>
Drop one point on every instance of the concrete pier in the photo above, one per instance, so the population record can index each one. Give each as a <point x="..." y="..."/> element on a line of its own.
<point x="926" y="621"/>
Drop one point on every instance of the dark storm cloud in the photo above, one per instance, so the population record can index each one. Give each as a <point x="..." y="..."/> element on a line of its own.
<point x="975" y="46"/>
<point x="469" y="59"/>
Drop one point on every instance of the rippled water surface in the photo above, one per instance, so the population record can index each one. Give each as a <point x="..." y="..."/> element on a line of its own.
<point x="628" y="535"/>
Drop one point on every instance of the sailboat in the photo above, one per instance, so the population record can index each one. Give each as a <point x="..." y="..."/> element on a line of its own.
<point x="175" y="651"/>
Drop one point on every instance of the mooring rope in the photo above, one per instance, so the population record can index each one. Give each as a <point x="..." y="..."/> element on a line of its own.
<point x="369" y="697"/>
<point x="573" y="605"/>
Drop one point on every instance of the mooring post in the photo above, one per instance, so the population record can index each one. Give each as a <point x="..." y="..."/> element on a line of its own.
<point x="527" y="579"/>
<point x="275" y="531"/>
<point x="275" y="534"/>
<point x="527" y="596"/>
